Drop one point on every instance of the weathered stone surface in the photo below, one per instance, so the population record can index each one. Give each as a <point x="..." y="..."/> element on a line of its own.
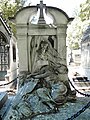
<point x="3" y="98"/>
<point x="44" y="91"/>
<point x="65" y="111"/>
<point x="29" y="35"/>
<point x="37" y="97"/>
<point x="42" y="52"/>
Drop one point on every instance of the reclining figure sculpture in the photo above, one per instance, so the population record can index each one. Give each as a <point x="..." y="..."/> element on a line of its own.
<point x="43" y="91"/>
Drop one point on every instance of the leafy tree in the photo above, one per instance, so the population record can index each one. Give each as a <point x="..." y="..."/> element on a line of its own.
<point x="78" y="26"/>
<point x="9" y="9"/>
<point x="85" y="11"/>
<point x="74" y="33"/>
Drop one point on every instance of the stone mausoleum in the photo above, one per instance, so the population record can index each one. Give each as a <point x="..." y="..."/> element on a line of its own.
<point x="32" y="28"/>
<point x="85" y="52"/>
<point x="44" y="93"/>
<point x="8" y="53"/>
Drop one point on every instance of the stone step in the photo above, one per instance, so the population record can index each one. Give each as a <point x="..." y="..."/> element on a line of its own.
<point x="3" y="98"/>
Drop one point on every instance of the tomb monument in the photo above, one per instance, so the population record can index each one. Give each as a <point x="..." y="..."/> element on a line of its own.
<point x="41" y="41"/>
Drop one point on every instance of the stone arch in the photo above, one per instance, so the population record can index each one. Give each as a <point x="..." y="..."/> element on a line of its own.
<point x="58" y="15"/>
<point x="25" y="31"/>
<point x="25" y="12"/>
<point x="33" y="14"/>
<point x="49" y="18"/>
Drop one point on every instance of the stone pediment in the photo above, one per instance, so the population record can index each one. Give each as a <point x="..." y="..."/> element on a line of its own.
<point x="59" y="16"/>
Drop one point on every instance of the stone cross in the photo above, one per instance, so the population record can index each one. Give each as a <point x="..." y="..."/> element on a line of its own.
<point x="41" y="16"/>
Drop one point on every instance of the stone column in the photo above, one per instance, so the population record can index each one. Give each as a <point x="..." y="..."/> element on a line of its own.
<point x="22" y="51"/>
<point x="61" y="41"/>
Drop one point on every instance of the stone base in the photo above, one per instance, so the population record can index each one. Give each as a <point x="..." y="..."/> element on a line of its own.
<point x="65" y="111"/>
<point x="41" y="21"/>
<point x="3" y="98"/>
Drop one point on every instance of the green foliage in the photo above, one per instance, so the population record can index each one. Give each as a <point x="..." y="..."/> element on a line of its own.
<point x="6" y="8"/>
<point x="78" y="26"/>
<point x="85" y="11"/>
<point x="74" y="34"/>
<point x="9" y="9"/>
<point x="75" y="46"/>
